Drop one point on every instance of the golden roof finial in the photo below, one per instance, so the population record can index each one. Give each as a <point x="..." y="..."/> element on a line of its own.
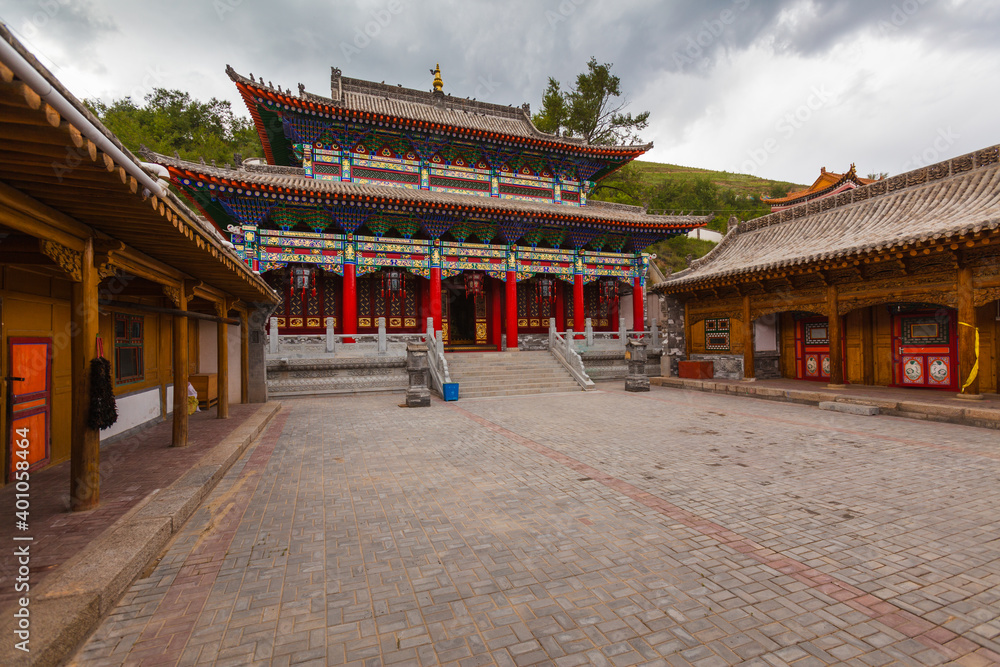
<point x="438" y="82"/>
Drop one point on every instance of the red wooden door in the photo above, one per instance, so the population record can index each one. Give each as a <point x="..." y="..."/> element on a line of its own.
<point x="29" y="403"/>
<point x="925" y="350"/>
<point x="812" y="349"/>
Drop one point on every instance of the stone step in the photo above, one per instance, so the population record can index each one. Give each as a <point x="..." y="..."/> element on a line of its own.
<point x="472" y="386"/>
<point x="484" y="374"/>
<point x="491" y="393"/>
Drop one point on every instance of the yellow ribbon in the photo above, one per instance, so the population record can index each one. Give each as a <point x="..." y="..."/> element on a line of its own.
<point x="975" y="366"/>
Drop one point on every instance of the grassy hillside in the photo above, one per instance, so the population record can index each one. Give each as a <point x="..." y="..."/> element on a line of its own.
<point x="669" y="187"/>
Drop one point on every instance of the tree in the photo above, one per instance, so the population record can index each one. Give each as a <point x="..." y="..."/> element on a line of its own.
<point x="170" y="120"/>
<point x="594" y="110"/>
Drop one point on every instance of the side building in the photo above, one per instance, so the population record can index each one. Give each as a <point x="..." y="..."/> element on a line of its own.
<point x="99" y="258"/>
<point x="386" y="202"/>
<point x="892" y="283"/>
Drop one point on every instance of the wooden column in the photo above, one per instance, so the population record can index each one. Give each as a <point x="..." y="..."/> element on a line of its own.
<point x="748" y="370"/>
<point x="435" y="297"/>
<point x="638" y="305"/>
<point x="85" y="459"/>
<point x="244" y="356"/>
<point x="967" y="335"/>
<point x="222" y="354"/>
<point x="836" y="338"/>
<point x="511" y="325"/>
<point x="180" y="432"/>
<point x="579" y="317"/>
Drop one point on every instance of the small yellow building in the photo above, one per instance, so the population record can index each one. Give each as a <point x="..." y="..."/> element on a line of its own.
<point x="99" y="258"/>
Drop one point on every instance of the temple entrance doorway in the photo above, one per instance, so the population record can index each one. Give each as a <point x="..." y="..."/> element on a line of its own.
<point x="463" y="311"/>
<point x="924" y="347"/>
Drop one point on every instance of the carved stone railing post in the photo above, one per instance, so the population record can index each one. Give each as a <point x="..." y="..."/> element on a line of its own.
<point x="588" y="330"/>
<point x="418" y="395"/>
<point x="569" y="339"/>
<point x="272" y="336"/>
<point x="552" y="332"/>
<point x="635" y="356"/>
<point x="622" y="332"/>
<point x="382" y="345"/>
<point x="331" y="340"/>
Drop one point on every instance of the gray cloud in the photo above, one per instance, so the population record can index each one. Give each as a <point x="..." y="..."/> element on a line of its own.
<point x="718" y="75"/>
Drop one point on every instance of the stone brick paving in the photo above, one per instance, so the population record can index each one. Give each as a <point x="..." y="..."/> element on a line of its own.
<point x="126" y="478"/>
<point x="668" y="528"/>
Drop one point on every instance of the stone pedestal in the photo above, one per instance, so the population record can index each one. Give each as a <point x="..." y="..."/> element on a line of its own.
<point x="418" y="395"/>
<point x="635" y="357"/>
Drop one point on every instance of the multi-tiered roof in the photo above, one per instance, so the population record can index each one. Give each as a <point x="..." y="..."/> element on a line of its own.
<point x="374" y="158"/>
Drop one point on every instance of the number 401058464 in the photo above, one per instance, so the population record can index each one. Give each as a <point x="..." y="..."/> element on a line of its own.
<point x="22" y="443"/>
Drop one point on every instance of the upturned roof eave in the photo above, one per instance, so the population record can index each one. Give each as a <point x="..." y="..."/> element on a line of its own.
<point x="626" y="221"/>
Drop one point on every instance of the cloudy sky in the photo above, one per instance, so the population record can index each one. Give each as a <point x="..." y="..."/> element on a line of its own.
<point x="777" y="88"/>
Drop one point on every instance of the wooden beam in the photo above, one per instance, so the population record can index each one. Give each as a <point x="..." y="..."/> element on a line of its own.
<point x="85" y="478"/>
<point x="39" y="220"/>
<point x="180" y="421"/>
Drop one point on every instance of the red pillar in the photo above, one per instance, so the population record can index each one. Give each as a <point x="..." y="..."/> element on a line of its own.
<point x="579" y="318"/>
<point x="435" y="297"/>
<point x="511" y="327"/>
<point x="350" y="308"/>
<point x="638" y="301"/>
<point x="560" y="305"/>
<point x="495" y="315"/>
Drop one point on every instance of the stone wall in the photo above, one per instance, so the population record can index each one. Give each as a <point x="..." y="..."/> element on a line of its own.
<point x="727" y="366"/>
<point x="532" y="342"/>
<point x="767" y="365"/>
<point x="672" y="331"/>
<point x="611" y="365"/>
<point x="291" y="377"/>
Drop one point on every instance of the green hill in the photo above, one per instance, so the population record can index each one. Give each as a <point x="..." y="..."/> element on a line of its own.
<point x="689" y="190"/>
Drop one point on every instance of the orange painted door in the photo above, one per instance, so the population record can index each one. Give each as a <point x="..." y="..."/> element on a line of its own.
<point x="925" y="350"/>
<point x="29" y="403"/>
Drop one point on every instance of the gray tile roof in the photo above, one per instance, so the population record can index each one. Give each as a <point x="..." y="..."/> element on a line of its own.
<point x="295" y="179"/>
<point x="942" y="200"/>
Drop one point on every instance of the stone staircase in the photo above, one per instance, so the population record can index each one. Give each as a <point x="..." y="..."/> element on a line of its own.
<point x="511" y="373"/>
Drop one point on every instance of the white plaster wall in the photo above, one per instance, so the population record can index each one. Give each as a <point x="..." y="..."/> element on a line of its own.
<point x="766" y="334"/>
<point x="625" y="310"/>
<point x="208" y="360"/>
<point x="170" y="399"/>
<point x="705" y="235"/>
<point x="134" y="410"/>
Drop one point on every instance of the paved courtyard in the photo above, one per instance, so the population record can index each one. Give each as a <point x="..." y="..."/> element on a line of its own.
<point x="670" y="528"/>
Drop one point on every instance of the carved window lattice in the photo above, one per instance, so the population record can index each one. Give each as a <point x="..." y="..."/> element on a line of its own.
<point x="717" y="334"/>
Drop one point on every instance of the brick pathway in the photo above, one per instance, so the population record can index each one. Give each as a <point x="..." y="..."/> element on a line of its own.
<point x="672" y="528"/>
<point x="126" y="479"/>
